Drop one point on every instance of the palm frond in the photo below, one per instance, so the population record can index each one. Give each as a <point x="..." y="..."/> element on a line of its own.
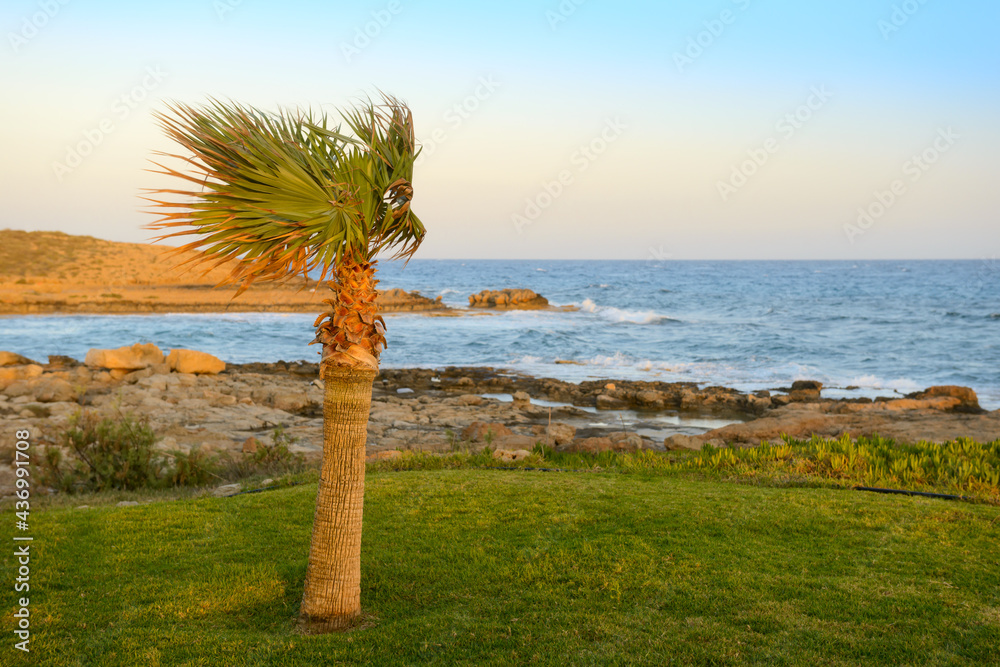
<point x="280" y="194"/>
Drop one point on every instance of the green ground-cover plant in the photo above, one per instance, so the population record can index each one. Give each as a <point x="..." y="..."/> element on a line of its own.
<point x="961" y="467"/>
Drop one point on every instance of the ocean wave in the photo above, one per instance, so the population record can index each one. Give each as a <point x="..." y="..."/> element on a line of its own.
<point x="900" y="385"/>
<point x="619" y="315"/>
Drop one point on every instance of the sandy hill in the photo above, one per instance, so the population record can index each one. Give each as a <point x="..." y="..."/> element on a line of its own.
<point x="85" y="260"/>
<point x="53" y="272"/>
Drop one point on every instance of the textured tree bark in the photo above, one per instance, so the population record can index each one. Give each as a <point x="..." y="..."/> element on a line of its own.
<point x="332" y="596"/>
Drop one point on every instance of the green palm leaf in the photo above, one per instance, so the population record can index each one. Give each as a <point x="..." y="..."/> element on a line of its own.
<point x="280" y="194"/>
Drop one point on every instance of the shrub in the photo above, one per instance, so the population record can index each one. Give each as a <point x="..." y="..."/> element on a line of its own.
<point x="193" y="468"/>
<point x="106" y="454"/>
<point x="274" y="459"/>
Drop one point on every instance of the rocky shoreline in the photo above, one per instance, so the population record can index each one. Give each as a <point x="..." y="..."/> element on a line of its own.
<point x="193" y="399"/>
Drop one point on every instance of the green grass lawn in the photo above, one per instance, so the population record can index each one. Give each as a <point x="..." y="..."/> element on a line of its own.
<point x="512" y="567"/>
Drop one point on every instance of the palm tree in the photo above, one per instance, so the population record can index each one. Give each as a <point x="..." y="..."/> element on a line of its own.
<point x="279" y="195"/>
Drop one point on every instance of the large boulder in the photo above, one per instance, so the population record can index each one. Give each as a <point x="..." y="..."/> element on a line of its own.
<point x="128" y="358"/>
<point x="967" y="399"/>
<point x="805" y="391"/>
<point x="508" y="298"/>
<point x="13" y="359"/>
<point x="397" y="300"/>
<point x="192" y="361"/>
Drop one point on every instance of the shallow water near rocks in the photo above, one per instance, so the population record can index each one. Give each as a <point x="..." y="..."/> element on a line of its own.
<point x="654" y="425"/>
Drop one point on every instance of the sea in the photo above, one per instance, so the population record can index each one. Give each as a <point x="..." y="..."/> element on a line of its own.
<point x="863" y="328"/>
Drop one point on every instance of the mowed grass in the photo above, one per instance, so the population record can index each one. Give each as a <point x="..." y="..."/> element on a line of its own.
<point x="513" y="567"/>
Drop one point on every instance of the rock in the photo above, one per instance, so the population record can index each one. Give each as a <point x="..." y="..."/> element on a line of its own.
<point x="522" y="398"/>
<point x="126" y="503"/>
<point x="514" y="441"/>
<point x="589" y="446"/>
<point x="650" y="399"/>
<point x="508" y="455"/>
<point x="129" y="358"/>
<point x="251" y="445"/>
<point x="804" y="391"/>
<point x="220" y="400"/>
<point x="20" y="389"/>
<point x="626" y="442"/>
<point x="757" y="404"/>
<point x="11" y="374"/>
<point x="291" y="402"/>
<point x="141" y="374"/>
<point x="14" y="359"/>
<point x="226" y="490"/>
<point x="194" y="362"/>
<point x="561" y="434"/>
<point x="62" y="361"/>
<point x="807" y="385"/>
<point x="470" y="399"/>
<point x="477" y="431"/>
<point x="610" y="386"/>
<point x="523" y="299"/>
<point x="605" y="402"/>
<point x="967" y="399"/>
<point x="53" y="390"/>
<point x="681" y="441"/>
<point x="397" y="300"/>
<point x="796" y="421"/>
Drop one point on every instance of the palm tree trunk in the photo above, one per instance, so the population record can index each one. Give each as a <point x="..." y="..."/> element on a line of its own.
<point x="332" y="597"/>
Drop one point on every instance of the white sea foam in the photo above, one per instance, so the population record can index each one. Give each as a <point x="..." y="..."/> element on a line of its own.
<point x="901" y="385"/>
<point x="613" y="314"/>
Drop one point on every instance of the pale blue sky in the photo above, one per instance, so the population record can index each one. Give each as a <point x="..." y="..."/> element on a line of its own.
<point x="677" y="117"/>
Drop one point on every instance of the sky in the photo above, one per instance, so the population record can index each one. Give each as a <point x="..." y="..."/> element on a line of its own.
<point x="572" y="129"/>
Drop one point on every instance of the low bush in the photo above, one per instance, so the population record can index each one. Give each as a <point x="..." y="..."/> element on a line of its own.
<point x="103" y="454"/>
